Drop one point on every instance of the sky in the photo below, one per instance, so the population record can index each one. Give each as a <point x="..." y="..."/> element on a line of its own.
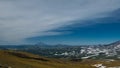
<point x="74" y="22"/>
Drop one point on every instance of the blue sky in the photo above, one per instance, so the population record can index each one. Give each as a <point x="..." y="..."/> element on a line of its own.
<point x="74" y="22"/>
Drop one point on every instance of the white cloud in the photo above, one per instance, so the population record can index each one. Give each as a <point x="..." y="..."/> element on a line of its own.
<point x="21" y="19"/>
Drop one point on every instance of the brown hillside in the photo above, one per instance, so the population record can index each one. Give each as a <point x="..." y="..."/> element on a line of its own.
<point x="15" y="59"/>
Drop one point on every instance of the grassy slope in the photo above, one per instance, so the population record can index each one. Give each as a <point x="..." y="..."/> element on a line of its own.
<point x="26" y="60"/>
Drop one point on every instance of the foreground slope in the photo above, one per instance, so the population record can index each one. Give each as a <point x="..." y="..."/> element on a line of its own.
<point x="13" y="59"/>
<point x="25" y="60"/>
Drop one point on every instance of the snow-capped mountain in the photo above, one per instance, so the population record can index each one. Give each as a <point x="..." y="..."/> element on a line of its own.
<point x="109" y="50"/>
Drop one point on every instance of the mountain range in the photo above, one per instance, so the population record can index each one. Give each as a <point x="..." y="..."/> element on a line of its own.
<point x="111" y="50"/>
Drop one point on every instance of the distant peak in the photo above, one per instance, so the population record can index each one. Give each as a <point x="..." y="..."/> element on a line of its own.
<point x="40" y="43"/>
<point x="115" y="43"/>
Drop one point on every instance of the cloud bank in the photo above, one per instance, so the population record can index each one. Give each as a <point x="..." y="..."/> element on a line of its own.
<point x="21" y="19"/>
